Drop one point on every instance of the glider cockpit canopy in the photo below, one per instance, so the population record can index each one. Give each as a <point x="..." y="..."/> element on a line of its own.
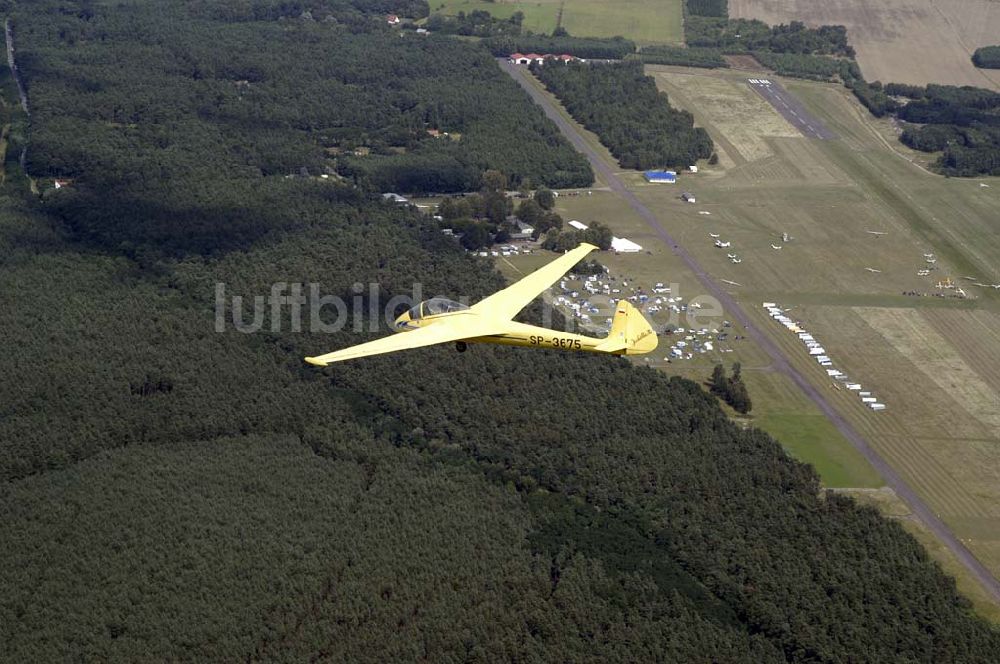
<point x="434" y="306"/>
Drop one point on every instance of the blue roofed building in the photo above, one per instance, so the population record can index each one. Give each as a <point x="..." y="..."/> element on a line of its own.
<point x="663" y="177"/>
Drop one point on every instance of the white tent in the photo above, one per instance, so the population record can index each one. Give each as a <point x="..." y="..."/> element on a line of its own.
<point x="625" y="246"/>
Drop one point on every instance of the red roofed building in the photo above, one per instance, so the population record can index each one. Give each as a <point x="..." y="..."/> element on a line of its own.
<point x="392" y="19"/>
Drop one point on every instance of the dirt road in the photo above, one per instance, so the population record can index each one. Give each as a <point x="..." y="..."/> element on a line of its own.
<point x="780" y="362"/>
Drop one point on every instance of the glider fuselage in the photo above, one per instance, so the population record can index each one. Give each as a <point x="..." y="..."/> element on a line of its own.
<point x="518" y="334"/>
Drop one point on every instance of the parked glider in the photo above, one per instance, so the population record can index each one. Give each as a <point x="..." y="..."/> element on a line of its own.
<point x="439" y="320"/>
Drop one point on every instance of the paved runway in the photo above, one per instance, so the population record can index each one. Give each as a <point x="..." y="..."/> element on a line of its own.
<point x="791" y="108"/>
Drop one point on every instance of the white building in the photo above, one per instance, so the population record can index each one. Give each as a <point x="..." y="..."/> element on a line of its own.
<point x="624" y="245"/>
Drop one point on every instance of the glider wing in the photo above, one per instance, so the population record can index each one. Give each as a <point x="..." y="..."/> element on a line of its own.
<point x="506" y="303"/>
<point x="449" y="329"/>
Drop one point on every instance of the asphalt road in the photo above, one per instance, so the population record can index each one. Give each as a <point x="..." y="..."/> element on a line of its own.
<point x="779" y="360"/>
<point x="791" y="108"/>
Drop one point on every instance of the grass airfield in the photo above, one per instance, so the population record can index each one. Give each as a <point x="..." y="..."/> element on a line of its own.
<point x="929" y="357"/>
<point x="779" y="407"/>
<point x="927" y="353"/>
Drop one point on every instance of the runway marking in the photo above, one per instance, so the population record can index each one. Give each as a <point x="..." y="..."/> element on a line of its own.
<point x="789" y="108"/>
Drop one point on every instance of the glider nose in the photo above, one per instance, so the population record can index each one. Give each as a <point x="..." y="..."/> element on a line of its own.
<point x="402" y="323"/>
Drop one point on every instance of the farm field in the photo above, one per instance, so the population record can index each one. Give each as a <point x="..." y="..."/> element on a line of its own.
<point x="903" y="41"/>
<point x="931" y="356"/>
<point x="644" y="21"/>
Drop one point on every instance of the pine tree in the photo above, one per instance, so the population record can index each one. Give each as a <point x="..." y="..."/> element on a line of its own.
<point x="719" y="384"/>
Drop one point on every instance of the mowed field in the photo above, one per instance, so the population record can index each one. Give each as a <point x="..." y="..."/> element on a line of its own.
<point x="644" y="21"/>
<point x="902" y="41"/>
<point x="933" y="358"/>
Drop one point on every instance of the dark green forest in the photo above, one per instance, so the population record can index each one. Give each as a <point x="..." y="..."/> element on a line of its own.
<point x="233" y="110"/>
<point x="620" y="104"/>
<point x="740" y="35"/>
<point x="614" y="48"/>
<point x="683" y="57"/>
<point x="963" y="123"/>
<point x="170" y="492"/>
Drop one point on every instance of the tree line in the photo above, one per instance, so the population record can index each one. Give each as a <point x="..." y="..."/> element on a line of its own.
<point x="682" y="57"/>
<point x="800" y="65"/>
<point x="614" y="48"/>
<point x="743" y="35"/>
<point x="987" y="57"/>
<point x="357" y="13"/>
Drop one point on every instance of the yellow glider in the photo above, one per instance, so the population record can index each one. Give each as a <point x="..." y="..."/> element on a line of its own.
<point x="439" y="320"/>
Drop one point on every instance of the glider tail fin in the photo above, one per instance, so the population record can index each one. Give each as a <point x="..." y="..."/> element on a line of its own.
<point x="631" y="333"/>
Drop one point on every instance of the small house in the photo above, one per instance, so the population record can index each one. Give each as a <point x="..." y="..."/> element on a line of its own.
<point x="688" y="196"/>
<point x="524" y="231"/>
